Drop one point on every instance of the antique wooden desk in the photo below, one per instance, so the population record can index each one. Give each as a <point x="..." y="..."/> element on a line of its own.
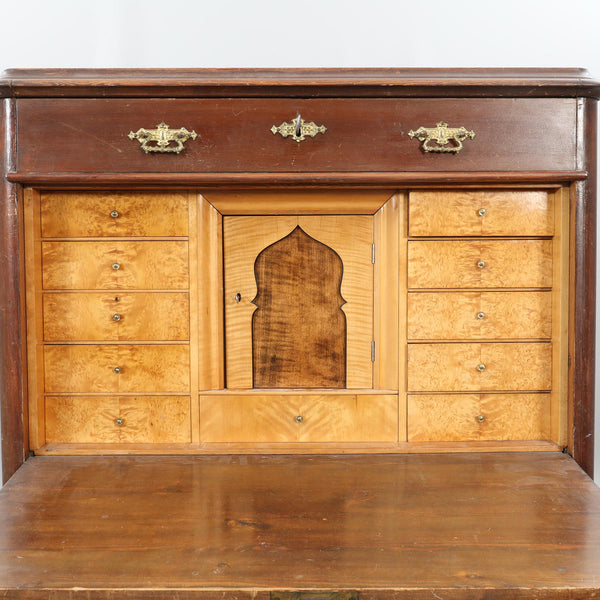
<point x="298" y="335"/>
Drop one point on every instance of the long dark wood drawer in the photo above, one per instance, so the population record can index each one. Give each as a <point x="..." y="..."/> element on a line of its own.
<point x="234" y="134"/>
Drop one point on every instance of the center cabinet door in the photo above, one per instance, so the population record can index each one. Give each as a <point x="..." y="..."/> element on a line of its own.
<point x="298" y="301"/>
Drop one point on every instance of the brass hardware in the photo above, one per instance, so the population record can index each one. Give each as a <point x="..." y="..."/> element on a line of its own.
<point x="482" y="212"/>
<point x="442" y="135"/>
<point x="481" y="264"/>
<point x="238" y="297"/>
<point x="116" y="266"/>
<point x="116" y="317"/>
<point x="298" y="129"/>
<point x="481" y="418"/>
<point x="299" y="419"/>
<point x="481" y="367"/>
<point x="163" y="137"/>
<point x="315" y="595"/>
<point x="114" y="214"/>
<point x="117" y="370"/>
<point x="481" y="315"/>
<point x="119" y="421"/>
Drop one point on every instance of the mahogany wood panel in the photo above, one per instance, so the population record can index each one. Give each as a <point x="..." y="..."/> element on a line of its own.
<point x="457" y="213"/>
<point x="454" y="367"/>
<point x="115" y="265"/>
<point x="90" y="316"/>
<point x="90" y="135"/>
<point x="465" y="527"/>
<point x="140" y="368"/>
<point x="455" y="263"/>
<point x="454" y="417"/>
<point x="479" y="315"/>
<point x="92" y="419"/>
<point x="88" y="214"/>
<point x="260" y="418"/>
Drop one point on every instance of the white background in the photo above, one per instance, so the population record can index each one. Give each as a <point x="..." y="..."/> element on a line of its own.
<point x="311" y="33"/>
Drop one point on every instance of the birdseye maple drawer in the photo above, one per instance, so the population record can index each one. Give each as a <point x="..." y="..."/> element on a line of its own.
<point x="118" y="368"/>
<point x="235" y="135"/>
<point x="115" y="214"/>
<point x="479" y="315"/>
<point x="480" y="213"/>
<point x="473" y="417"/>
<point x="479" y="263"/>
<point x="117" y="419"/>
<point x="96" y="316"/>
<point x="274" y="418"/>
<point x="480" y="367"/>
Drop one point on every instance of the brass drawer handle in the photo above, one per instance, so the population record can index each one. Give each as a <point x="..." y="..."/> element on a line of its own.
<point x="114" y="214"/>
<point x="298" y="129"/>
<point x="299" y="419"/>
<point x="481" y="315"/>
<point x="116" y="317"/>
<point x="442" y="135"/>
<point x="482" y="212"/>
<point x="117" y="370"/>
<point x="119" y="422"/>
<point x="481" y="367"/>
<point x="481" y="264"/>
<point x="481" y="418"/>
<point x="162" y="139"/>
<point x="116" y="266"/>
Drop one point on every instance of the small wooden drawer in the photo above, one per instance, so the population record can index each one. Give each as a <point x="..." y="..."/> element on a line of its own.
<point x="97" y="316"/>
<point x="116" y="369"/>
<point x="112" y="419"/>
<point x="115" y="265"/>
<point x="479" y="315"/>
<point x="441" y="213"/>
<point x="479" y="264"/>
<point x="480" y="367"/>
<point x="265" y="417"/>
<point x="118" y="214"/>
<point x="473" y="417"/>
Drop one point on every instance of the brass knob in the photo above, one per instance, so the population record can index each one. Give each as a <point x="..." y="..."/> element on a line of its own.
<point x="116" y="317"/>
<point x="482" y="212"/>
<point x="481" y="367"/>
<point x="116" y="266"/>
<point x="114" y="214"/>
<point x="481" y="418"/>
<point x="481" y="315"/>
<point x="119" y="421"/>
<point x="299" y="419"/>
<point x="481" y="264"/>
<point x="117" y="370"/>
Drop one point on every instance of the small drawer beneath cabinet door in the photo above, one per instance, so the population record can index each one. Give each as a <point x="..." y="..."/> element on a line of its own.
<point x="115" y="214"/>
<point x="478" y="417"/>
<point x="441" y="213"/>
<point x="113" y="369"/>
<point x="115" y="265"/>
<point x="479" y="263"/>
<point x="106" y="419"/>
<point x="480" y="367"/>
<point x="141" y="316"/>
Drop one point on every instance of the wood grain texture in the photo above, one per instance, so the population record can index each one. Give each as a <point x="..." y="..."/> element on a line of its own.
<point x="91" y="368"/>
<point x="351" y="237"/>
<point x="144" y="316"/>
<point x="454" y="417"/>
<point x="466" y="527"/>
<point x="458" y="315"/>
<point x="453" y="367"/>
<point x="274" y="418"/>
<point x="88" y="214"/>
<point x="456" y="213"/>
<point x="454" y="263"/>
<point x="90" y="265"/>
<point x="152" y="419"/>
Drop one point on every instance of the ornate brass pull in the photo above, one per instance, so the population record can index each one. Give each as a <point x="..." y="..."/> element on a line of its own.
<point x="298" y="129"/>
<point x="162" y="138"/>
<point x="442" y="135"/>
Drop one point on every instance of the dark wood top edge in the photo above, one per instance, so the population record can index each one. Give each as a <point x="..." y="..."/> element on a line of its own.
<point x="273" y="82"/>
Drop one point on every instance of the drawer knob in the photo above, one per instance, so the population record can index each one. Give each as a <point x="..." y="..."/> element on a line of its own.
<point x="481" y="367"/>
<point x="162" y="139"/>
<point x="481" y="418"/>
<point x="116" y="266"/>
<point x="482" y="212"/>
<point x="116" y="317"/>
<point x="119" y="421"/>
<point x="481" y="315"/>
<point x="114" y="214"/>
<point x="481" y="264"/>
<point x="299" y="419"/>
<point x="442" y="135"/>
<point x="298" y="129"/>
<point x="117" y="370"/>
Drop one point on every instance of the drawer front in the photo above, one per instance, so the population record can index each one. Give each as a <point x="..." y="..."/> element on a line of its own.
<point x="133" y="420"/>
<point x="480" y="213"/>
<point x="301" y="418"/>
<point x="115" y="265"/>
<point x="479" y="315"/>
<point x="474" y="417"/>
<point x="96" y="316"/>
<point x="115" y="214"/>
<point x="234" y="134"/>
<point x="479" y="263"/>
<point x="117" y="369"/>
<point x="480" y="367"/>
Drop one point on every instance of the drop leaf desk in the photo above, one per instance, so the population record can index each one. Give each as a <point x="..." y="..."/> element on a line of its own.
<point x="298" y="335"/>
